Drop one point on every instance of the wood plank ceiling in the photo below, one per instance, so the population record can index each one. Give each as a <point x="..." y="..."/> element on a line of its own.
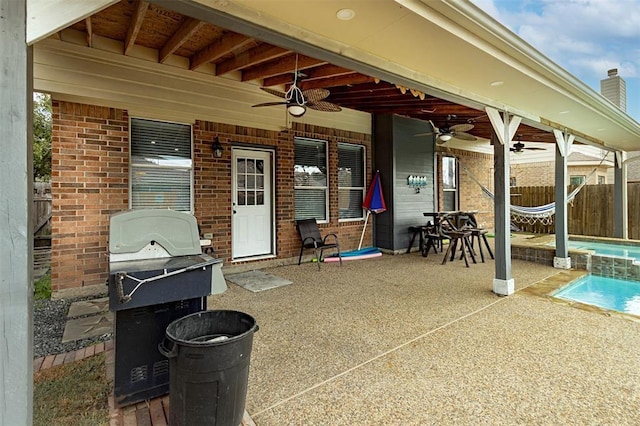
<point x="136" y="22"/>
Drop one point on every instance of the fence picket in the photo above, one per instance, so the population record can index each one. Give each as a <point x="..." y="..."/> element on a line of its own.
<point x="591" y="212"/>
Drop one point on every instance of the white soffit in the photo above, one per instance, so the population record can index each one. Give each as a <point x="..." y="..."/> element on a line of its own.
<point x="450" y="46"/>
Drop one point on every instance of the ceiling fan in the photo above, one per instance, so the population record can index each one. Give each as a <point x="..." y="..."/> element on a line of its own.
<point x="446" y="131"/>
<point x="518" y="147"/>
<point x="297" y="100"/>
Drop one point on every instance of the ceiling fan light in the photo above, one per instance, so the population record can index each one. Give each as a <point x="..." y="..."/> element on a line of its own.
<point x="444" y="138"/>
<point x="296" y="110"/>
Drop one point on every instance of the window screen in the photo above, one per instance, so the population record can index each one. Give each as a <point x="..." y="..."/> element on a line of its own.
<point x="310" y="179"/>
<point x="350" y="181"/>
<point x="161" y="165"/>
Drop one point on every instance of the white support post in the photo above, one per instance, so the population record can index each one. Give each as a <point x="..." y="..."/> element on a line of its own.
<point x="505" y="128"/>
<point x="16" y="233"/>
<point x="564" y="143"/>
<point x="620" y="199"/>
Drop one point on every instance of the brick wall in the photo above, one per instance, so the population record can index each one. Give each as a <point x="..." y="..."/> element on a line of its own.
<point x="543" y="173"/>
<point x="89" y="180"/>
<point x="470" y="193"/>
<point x="213" y="183"/>
<point x="90" y="174"/>
<point x="533" y="174"/>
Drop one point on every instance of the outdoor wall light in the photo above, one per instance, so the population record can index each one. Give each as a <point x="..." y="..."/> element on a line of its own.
<point x="217" y="148"/>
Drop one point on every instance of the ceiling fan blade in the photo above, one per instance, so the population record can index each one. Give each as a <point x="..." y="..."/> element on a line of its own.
<point x="269" y="104"/>
<point x="424" y="134"/>
<point x="465" y="127"/>
<point x="324" y="106"/>
<point x="534" y="148"/>
<point x="464" y="136"/>
<point x="273" y="92"/>
<point x="315" y="95"/>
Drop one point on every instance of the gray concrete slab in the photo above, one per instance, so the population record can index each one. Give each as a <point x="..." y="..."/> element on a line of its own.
<point x="257" y="281"/>
<point x="81" y="328"/>
<point x="88" y="307"/>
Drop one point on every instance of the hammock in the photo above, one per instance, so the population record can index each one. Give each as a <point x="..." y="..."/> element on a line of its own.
<point x="531" y="215"/>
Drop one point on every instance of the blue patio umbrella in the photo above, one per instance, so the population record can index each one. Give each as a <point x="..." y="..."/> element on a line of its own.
<point x="373" y="202"/>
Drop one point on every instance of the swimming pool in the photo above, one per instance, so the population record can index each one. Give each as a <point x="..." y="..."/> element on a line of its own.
<point x="608" y="293"/>
<point x="606" y="249"/>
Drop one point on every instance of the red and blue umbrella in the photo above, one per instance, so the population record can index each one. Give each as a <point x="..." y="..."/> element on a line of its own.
<point x="373" y="202"/>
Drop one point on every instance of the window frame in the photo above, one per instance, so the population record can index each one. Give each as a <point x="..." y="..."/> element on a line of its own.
<point x="324" y="188"/>
<point x="455" y="190"/>
<point x="582" y="178"/>
<point x="362" y="148"/>
<point x="191" y="168"/>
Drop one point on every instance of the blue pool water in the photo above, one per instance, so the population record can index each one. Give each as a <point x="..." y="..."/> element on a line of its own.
<point x="606" y="249"/>
<point x="607" y="293"/>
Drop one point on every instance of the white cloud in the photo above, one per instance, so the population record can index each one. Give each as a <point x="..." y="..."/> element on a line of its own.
<point x="586" y="37"/>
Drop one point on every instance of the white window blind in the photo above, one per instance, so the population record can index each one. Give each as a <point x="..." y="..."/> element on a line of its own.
<point x="310" y="179"/>
<point x="161" y="165"/>
<point x="350" y="181"/>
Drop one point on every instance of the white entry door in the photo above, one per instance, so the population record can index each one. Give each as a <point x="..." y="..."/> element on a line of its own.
<point x="252" y="222"/>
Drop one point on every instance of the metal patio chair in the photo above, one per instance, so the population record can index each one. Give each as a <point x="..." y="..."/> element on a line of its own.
<point x="311" y="239"/>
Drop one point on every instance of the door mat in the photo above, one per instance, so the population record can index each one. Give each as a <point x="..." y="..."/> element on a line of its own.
<point x="256" y="281"/>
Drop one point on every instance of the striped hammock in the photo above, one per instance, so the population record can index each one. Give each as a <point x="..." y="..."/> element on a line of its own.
<point x="531" y="215"/>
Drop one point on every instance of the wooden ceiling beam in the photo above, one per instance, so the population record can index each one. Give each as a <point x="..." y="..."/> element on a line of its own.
<point x="188" y="28"/>
<point x="281" y="66"/>
<point x="89" y="26"/>
<point x="224" y="45"/>
<point x="252" y="57"/>
<point x="322" y="71"/>
<point x="140" y="9"/>
<point x="336" y="81"/>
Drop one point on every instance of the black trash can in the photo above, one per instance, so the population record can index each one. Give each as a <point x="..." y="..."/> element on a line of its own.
<point x="209" y="354"/>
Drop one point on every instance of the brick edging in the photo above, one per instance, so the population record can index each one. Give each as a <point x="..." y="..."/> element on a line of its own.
<point x="45" y="362"/>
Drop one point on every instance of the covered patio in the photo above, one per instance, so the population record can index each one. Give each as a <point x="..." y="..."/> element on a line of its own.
<point x="455" y="353"/>
<point x="374" y="342"/>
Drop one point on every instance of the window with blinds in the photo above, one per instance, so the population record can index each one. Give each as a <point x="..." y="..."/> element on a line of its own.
<point x="310" y="179"/>
<point x="161" y="165"/>
<point x="350" y="181"/>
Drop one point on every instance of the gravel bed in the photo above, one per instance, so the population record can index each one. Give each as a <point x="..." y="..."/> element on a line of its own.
<point x="49" y="318"/>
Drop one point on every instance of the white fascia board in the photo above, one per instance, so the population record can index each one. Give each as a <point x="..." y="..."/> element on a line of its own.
<point x="46" y="17"/>
<point x="516" y="49"/>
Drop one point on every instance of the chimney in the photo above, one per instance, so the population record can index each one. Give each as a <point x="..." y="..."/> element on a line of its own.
<point x="614" y="88"/>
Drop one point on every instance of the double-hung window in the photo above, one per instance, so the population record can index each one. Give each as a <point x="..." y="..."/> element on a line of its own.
<point x="449" y="184"/>
<point x="350" y="181"/>
<point x="161" y="165"/>
<point x="310" y="179"/>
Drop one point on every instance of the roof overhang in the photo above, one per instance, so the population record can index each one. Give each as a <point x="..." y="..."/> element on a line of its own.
<point x="449" y="49"/>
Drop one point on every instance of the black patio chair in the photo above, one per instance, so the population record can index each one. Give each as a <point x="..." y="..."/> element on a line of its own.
<point x="311" y="239"/>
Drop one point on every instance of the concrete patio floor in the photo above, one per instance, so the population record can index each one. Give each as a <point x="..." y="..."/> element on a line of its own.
<point x="406" y="340"/>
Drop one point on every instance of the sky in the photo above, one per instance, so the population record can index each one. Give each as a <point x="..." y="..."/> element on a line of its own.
<point x="585" y="37"/>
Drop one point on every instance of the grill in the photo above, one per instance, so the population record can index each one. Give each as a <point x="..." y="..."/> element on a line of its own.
<point x="157" y="274"/>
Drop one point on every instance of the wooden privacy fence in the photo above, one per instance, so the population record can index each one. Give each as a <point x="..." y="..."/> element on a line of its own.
<point x="590" y="213"/>
<point x="41" y="209"/>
